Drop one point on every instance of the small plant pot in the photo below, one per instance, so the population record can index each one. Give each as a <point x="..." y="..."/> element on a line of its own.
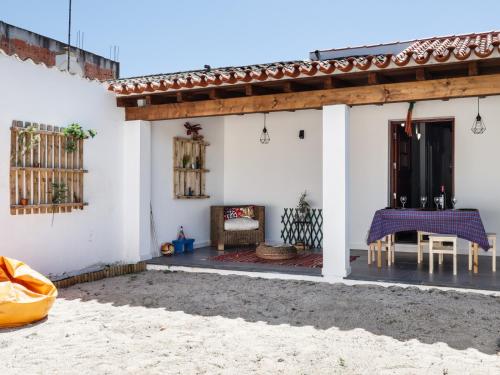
<point x="23" y="202"/>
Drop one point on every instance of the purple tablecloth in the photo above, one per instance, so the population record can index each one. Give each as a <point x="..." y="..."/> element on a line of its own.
<point x="465" y="224"/>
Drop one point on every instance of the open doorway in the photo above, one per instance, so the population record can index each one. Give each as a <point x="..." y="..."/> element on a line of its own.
<point x="421" y="165"/>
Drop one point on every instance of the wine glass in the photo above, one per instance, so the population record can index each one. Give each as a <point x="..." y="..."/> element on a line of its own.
<point x="403" y="200"/>
<point x="454" y="202"/>
<point x="436" y="202"/>
<point x="423" y="201"/>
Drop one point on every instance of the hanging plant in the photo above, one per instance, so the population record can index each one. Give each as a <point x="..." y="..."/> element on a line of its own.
<point x="74" y="133"/>
<point x="28" y="139"/>
<point x="59" y="193"/>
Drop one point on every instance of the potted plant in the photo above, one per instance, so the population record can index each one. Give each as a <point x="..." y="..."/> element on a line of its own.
<point x="23" y="201"/>
<point x="59" y="195"/>
<point x="28" y="139"/>
<point x="303" y="207"/>
<point x="193" y="130"/>
<point x="73" y="133"/>
<point x="185" y="161"/>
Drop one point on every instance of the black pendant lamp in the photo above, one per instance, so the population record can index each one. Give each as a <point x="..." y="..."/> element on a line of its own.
<point x="478" y="127"/>
<point x="264" y="136"/>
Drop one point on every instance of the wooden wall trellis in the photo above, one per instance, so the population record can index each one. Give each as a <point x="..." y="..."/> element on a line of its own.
<point x="33" y="172"/>
<point x="186" y="177"/>
<point x="311" y="232"/>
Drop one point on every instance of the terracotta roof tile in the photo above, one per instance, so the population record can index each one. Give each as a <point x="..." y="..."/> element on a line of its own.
<point x="434" y="50"/>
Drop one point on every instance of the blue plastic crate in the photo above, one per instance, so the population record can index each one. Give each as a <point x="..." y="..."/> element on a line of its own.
<point x="189" y="245"/>
<point x="178" y="246"/>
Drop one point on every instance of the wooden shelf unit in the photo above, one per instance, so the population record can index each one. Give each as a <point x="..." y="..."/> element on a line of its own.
<point x="33" y="172"/>
<point x="185" y="176"/>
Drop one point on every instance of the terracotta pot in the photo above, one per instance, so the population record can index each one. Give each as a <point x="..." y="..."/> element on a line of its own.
<point x="23" y="202"/>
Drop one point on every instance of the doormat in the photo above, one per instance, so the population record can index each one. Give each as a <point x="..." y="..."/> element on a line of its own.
<point x="249" y="256"/>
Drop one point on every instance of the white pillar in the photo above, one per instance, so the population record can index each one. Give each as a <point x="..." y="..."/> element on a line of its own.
<point x="137" y="191"/>
<point x="335" y="191"/>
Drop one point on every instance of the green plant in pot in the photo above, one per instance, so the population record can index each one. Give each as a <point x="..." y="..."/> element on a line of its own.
<point x="185" y="161"/>
<point x="28" y="139"/>
<point x="303" y="207"/>
<point x="59" y="193"/>
<point x="73" y="133"/>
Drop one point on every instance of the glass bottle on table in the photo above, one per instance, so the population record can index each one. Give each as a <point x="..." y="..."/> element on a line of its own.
<point x="442" y="198"/>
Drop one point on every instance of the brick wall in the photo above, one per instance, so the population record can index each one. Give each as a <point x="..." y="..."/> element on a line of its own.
<point x="96" y="72"/>
<point x="25" y="50"/>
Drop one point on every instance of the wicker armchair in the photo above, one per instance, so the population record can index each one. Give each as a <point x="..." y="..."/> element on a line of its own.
<point x="220" y="237"/>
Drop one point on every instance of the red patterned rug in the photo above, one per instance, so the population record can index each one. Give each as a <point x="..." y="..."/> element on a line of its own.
<point x="313" y="260"/>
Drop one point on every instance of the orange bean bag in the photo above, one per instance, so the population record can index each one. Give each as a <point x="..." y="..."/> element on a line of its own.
<point x="25" y="295"/>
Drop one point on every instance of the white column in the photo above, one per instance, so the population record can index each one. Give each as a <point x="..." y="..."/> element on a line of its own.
<point x="335" y="191"/>
<point x="137" y="190"/>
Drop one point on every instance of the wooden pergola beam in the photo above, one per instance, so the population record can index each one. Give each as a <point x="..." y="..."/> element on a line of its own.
<point x="374" y="94"/>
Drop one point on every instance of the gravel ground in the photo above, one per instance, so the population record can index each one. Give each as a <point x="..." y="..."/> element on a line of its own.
<point x="194" y="323"/>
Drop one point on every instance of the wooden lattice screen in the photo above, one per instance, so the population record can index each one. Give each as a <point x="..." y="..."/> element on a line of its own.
<point x="309" y="230"/>
<point x="33" y="171"/>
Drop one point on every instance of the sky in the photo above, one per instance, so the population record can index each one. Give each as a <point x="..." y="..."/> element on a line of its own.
<point x="161" y="36"/>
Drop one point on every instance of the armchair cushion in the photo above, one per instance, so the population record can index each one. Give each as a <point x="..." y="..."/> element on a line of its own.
<point x="241" y="223"/>
<point x="237" y="212"/>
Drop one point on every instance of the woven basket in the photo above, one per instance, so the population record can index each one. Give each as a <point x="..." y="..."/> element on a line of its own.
<point x="276" y="252"/>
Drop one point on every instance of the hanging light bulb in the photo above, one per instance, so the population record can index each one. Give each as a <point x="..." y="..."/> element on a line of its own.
<point x="478" y="126"/>
<point x="417" y="131"/>
<point x="264" y="136"/>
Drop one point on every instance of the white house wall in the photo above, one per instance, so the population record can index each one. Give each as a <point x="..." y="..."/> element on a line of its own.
<point x="192" y="214"/>
<point x="477" y="157"/>
<point x="81" y="238"/>
<point x="275" y="174"/>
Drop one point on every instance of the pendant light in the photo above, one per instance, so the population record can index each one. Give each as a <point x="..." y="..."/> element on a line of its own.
<point x="478" y="127"/>
<point x="417" y="131"/>
<point x="264" y="136"/>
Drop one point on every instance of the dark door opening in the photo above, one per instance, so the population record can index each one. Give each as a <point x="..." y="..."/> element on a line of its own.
<point x="420" y="165"/>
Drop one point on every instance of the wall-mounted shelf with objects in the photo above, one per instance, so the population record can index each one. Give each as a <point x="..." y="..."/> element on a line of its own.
<point x="46" y="176"/>
<point x="189" y="158"/>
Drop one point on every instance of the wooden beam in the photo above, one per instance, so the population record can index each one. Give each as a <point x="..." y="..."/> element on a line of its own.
<point x="420" y="74"/>
<point x="472" y="68"/>
<point x="482" y="85"/>
<point x="248" y="90"/>
<point x="213" y="94"/>
<point x="328" y="83"/>
<point x="373" y="78"/>
<point x="289" y="86"/>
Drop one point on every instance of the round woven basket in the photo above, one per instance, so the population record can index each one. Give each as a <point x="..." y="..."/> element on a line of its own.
<point x="276" y="252"/>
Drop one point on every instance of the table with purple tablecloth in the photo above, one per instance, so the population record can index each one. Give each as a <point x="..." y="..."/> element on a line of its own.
<point x="465" y="224"/>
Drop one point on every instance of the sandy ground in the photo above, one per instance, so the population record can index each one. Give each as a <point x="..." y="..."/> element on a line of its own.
<point x="179" y="323"/>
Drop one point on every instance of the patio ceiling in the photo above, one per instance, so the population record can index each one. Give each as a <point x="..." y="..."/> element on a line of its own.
<point x="434" y="68"/>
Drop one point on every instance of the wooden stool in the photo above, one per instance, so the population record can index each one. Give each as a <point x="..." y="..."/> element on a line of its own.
<point x="437" y="246"/>
<point x="492" y="239"/>
<point x="389" y="244"/>
<point x="421" y="242"/>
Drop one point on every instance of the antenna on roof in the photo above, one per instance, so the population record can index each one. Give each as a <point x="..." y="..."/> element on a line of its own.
<point x="69" y="33"/>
